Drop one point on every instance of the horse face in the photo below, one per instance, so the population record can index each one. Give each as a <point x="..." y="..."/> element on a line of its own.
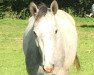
<point x="45" y="31"/>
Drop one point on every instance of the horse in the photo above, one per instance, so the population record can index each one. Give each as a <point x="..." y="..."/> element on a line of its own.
<point x="49" y="41"/>
<point x="92" y="11"/>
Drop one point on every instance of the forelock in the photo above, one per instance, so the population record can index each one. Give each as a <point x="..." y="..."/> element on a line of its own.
<point x="42" y="11"/>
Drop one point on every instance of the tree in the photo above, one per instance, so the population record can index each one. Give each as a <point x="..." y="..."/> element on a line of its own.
<point x="79" y="7"/>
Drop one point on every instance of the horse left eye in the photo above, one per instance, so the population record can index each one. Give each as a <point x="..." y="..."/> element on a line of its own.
<point x="56" y="31"/>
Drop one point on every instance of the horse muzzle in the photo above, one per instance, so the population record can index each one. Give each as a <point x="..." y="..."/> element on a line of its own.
<point x="48" y="68"/>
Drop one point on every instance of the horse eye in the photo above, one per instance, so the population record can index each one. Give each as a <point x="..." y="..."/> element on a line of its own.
<point x="56" y="31"/>
<point x="35" y="33"/>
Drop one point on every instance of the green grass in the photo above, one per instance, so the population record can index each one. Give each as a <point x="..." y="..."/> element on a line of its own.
<point x="85" y="28"/>
<point x="12" y="57"/>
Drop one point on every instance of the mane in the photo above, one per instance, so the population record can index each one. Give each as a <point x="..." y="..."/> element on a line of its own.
<point x="42" y="11"/>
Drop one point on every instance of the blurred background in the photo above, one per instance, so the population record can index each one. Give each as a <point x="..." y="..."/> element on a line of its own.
<point x="19" y="8"/>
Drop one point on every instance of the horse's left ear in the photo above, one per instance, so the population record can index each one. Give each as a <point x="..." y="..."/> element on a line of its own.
<point x="54" y="7"/>
<point x="33" y="8"/>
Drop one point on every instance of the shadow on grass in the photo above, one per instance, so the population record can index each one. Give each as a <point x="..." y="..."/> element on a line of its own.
<point x="87" y="26"/>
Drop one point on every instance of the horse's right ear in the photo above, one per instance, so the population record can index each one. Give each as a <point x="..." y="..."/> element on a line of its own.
<point x="33" y="8"/>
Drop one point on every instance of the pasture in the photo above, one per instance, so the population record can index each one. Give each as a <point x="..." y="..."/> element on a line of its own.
<point x="12" y="57"/>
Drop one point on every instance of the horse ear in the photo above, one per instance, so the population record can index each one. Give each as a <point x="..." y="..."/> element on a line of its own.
<point x="33" y="8"/>
<point x="54" y="7"/>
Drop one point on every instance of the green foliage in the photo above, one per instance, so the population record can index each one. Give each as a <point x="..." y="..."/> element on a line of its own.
<point x="19" y="8"/>
<point x="24" y="14"/>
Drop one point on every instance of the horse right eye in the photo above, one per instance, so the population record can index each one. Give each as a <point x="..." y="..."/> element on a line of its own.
<point x="35" y="33"/>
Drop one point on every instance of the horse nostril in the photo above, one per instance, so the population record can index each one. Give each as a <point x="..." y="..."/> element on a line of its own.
<point x="48" y="68"/>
